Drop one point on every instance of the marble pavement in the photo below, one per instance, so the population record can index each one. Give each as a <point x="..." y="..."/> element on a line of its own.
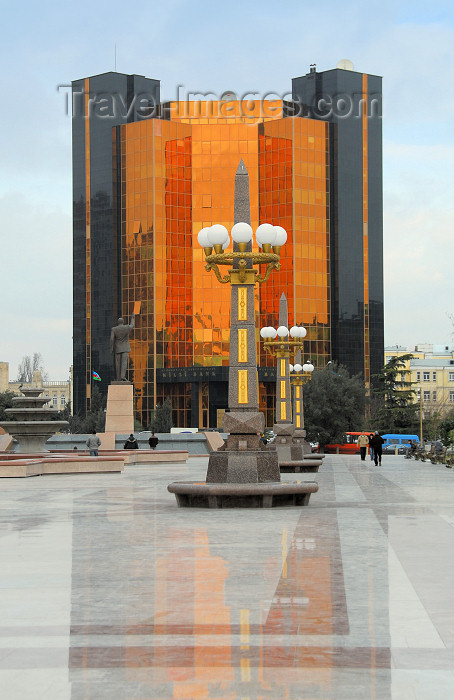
<point x="109" y="591"/>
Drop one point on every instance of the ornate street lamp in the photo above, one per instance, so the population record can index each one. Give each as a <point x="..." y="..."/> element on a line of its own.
<point x="243" y="472"/>
<point x="282" y="343"/>
<point x="268" y="237"/>
<point x="299" y="375"/>
<point x="242" y="275"/>
<point x="290" y="443"/>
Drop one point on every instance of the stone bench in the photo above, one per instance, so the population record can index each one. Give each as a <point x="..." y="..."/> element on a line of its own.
<point x="82" y="464"/>
<point x="135" y="456"/>
<point x="238" y="495"/>
<point x="35" y="455"/>
<point x="19" y="468"/>
<point x="151" y="456"/>
<point x="300" y="466"/>
<point x="59" y="464"/>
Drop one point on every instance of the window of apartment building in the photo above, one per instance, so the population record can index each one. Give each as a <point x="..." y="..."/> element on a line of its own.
<point x="434" y="376"/>
<point x="63" y="400"/>
<point x="426" y="396"/>
<point x="434" y="396"/>
<point x="451" y="396"/>
<point x="451" y="376"/>
<point x="418" y="376"/>
<point x="426" y="376"/>
<point x="54" y="400"/>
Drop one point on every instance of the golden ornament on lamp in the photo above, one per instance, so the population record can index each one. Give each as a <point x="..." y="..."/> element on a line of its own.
<point x="269" y="238"/>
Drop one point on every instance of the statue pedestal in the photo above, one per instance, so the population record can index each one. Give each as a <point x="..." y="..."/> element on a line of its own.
<point x="120" y="408"/>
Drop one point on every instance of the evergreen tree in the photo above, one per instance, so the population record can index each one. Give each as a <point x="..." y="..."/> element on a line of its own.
<point x="334" y="402"/>
<point x="162" y="419"/>
<point x="396" y="411"/>
<point x="95" y="418"/>
<point x="6" y="401"/>
<point x="446" y="427"/>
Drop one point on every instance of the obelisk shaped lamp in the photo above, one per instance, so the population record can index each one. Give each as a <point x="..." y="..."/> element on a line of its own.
<point x="243" y="472"/>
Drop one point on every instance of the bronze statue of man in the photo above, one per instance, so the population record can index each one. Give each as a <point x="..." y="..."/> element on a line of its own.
<point x="120" y="347"/>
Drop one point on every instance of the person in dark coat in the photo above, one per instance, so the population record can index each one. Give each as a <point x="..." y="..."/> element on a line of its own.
<point x="371" y="449"/>
<point x="131" y="443"/>
<point x="153" y="441"/>
<point x="377" y="445"/>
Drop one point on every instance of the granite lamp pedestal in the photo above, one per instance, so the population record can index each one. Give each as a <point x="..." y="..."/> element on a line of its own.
<point x="244" y="458"/>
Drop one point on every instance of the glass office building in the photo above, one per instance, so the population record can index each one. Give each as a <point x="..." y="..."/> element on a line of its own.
<point x="148" y="179"/>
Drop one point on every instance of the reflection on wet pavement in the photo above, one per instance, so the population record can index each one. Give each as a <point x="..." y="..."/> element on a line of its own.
<point x="109" y="591"/>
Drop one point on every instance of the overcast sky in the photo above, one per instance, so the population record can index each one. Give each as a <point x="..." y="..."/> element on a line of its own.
<point x="241" y="46"/>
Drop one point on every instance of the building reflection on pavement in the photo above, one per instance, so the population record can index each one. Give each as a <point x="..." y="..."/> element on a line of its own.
<point x="198" y="612"/>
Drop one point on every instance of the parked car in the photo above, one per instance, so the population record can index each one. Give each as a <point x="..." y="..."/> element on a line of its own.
<point x="391" y="449"/>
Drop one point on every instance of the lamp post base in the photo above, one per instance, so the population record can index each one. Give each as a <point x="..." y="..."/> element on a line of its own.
<point x="243" y="466"/>
<point x="299" y="438"/>
<point x="243" y="459"/>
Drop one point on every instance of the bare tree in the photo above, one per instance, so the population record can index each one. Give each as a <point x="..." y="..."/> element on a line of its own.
<point x="451" y="318"/>
<point x="28" y="366"/>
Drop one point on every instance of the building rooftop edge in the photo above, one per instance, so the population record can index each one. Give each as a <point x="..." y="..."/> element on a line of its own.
<point x="113" y="72"/>
<point x="332" y="70"/>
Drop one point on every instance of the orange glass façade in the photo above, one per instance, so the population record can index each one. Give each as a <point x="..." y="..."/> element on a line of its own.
<point x="178" y="175"/>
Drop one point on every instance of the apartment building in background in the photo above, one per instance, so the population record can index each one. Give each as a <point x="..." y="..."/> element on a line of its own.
<point x="431" y="372"/>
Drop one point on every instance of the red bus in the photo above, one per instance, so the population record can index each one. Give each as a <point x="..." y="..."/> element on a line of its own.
<point x="349" y="447"/>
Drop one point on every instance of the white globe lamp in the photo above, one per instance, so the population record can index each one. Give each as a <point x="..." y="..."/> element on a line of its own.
<point x="203" y="240"/>
<point x="282" y="332"/>
<point x="217" y="235"/>
<point x="265" y="237"/>
<point x="242" y="235"/>
<point x="281" y="238"/>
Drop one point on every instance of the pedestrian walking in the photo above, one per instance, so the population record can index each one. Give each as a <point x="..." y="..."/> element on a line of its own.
<point x="93" y="444"/>
<point x="362" y="443"/>
<point x="371" y="448"/>
<point x="377" y="444"/>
